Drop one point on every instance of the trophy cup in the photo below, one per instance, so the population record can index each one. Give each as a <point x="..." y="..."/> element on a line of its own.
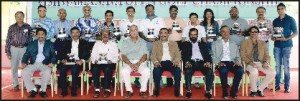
<point x="175" y="26"/>
<point x="235" y="29"/>
<point x="278" y="32"/>
<point x="102" y="58"/>
<point x="117" y="31"/>
<point x="262" y="26"/>
<point x="71" y="60"/>
<point x="211" y="34"/>
<point x="61" y="33"/>
<point x="127" y="32"/>
<point x="150" y="33"/>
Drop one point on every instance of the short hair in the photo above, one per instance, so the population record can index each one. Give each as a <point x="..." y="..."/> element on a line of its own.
<point x="233" y="7"/>
<point x="193" y="13"/>
<point x="41" y="29"/>
<point x="130" y="7"/>
<point x="103" y="31"/>
<point x="109" y="11"/>
<point x="173" y="6"/>
<point x="74" y="28"/>
<point x="280" y="4"/>
<point x="255" y="27"/>
<point x="86" y="6"/>
<point x="149" y="6"/>
<point x="164" y="29"/>
<point x="20" y="13"/>
<point x="193" y="29"/>
<point x="62" y="9"/>
<point x="261" y="7"/>
<point x="40" y="6"/>
<point x="224" y="26"/>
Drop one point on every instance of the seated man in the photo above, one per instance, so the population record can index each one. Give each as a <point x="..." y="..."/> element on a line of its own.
<point x="74" y="51"/>
<point x="196" y="57"/>
<point x="134" y="54"/>
<point x="41" y="54"/>
<point x="255" y="54"/>
<point x="166" y="57"/>
<point x="104" y="57"/>
<point x="225" y="53"/>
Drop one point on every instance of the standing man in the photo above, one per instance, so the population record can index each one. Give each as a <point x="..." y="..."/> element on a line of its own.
<point x="108" y="24"/>
<point x="238" y="26"/>
<point x="41" y="54"/>
<point x="166" y="56"/>
<point x="201" y="31"/>
<point x="134" y="55"/>
<point x="18" y="37"/>
<point x="225" y="53"/>
<point x="283" y="46"/>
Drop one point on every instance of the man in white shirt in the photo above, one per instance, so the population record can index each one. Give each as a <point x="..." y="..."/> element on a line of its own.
<point x="201" y="30"/>
<point x="104" y="57"/>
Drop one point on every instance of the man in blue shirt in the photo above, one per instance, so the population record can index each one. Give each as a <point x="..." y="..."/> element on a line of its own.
<point x="283" y="45"/>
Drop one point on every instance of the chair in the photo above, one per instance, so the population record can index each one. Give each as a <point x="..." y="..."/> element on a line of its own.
<point x="69" y="74"/>
<point x="135" y="74"/>
<point x="230" y="75"/>
<point x="115" y="75"/>
<point x="260" y="76"/>
<point x="167" y="74"/>
<point x="36" y="75"/>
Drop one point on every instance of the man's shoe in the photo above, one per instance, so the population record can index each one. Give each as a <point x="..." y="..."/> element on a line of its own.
<point x="16" y="87"/>
<point x="234" y="96"/>
<point x="156" y="93"/>
<point x="63" y="94"/>
<point x="143" y="94"/>
<point x="128" y="94"/>
<point x="197" y="85"/>
<point x="32" y="94"/>
<point x="137" y="84"/>
<point x="225" y="97"/>
<point x="277" y="88"/>
<point x="96" y="94"/>
<point x="74" y="95"/>
<point x="177" y="94"/>
<point x="188" y="95"/>
<point x="253" y="94"/>
<point x="43" y="94"/>
<point x="208" y="95"/>
<point x="287" y="90"/>
<point x="260" y="93"/>
<point x="106" y="94"/>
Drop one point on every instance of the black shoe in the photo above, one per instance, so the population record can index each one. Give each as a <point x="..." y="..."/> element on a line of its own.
<point x="96" y="94"/>
<point x="169" y="82"/>
<point x="177" y="94"/>
<point x="16" y="88"/>
<point x="74" y="95"/>
<point x="225" y="97"/>
<point x="143" y="94"/>
<point x="137" y="84"/>
<point x="208" y="95"/>
<point x="287" y="90"/>
<point x="156" y="93"/>
<point x="32" y="94"/>
<point x="128" y="94"/>
<point x="253" y="94"/>
<point x="63" y="94"/>
<point x="188" y="95"/>
<point x="260" y="93"/>
<point x="106" y="94"/>
<point x="277" y="88"/>
<point x="234" y="96"/>
<point x="43" y="94"/>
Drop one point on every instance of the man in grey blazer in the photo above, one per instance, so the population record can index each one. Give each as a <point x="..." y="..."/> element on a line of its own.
<point x="225" y="53"/>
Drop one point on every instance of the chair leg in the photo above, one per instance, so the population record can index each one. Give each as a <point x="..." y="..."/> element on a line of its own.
<point x="121" y="86"/>
<point x="81" y="87"/>
<point x="22" y="88"/>
<point x="51" y="78"/>
<point x="204" y="84"/>
<point x="247" y="86"/>
<point x="273" y="86"/>
<point x="243" y="85"/>
<point x="115" y="88"/>
<point x="55" y="84"/>
<point x="150" y="87"/>
<point x="214" y="85"/>
<point x="87" y="84"/>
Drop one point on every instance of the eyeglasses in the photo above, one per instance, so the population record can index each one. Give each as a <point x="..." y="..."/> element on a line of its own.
<point x="254" y="32"/>
<point x="280" y="8"/>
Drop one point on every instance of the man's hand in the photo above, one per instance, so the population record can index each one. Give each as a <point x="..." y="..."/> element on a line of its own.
<point x="179" y="31"/>
<point x="253" y="65"/>
<point x="63" y="61"/>
<point x="109" y="62"/>
<point x="207" y="64"/>
<point x="188" y="65"/>
<point x="220" y="64"/>
<point x="176" y="64"/>
<point x="151" y="39"/>
<point x="237" y="63"/>
<point x="281" y="39"/>
<point x="79" y="62"/>
<point x="50" y="65"/>
<point x="265" y="65"/>
<point x="157" y="64"/>
<point x="9" y="57"/>
<point x="24" y="65"/>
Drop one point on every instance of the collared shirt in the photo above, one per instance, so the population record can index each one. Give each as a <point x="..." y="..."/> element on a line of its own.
<point x="83" y="24"/>
<point x="74" y="49"/>
<point x="157" y="23"/>
<point x="226" y="51"/>
<point x="201" y="32"/>
<point x="110" y="48"/>
<point x="67" y="24"/>
<point x="166" y="52"/>
<point x="125" y="22"/>
<point x="289" y="26"/>
<point x="47" y="24"/>
<point x="174" y="36"/>
<point x="263" y="34"/>
<point x="40" y="56"/>
<point x="243" y="24"/>
<point x="255" y="52"/>
<point x="134" y="50"/>
<point x="17" y="36"/>
<point x="196" y="54"/>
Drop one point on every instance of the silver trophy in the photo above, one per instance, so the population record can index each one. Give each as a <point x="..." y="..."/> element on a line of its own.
<point x="236" y="28"/>
<point x="117" y="31"/>
<point x="62" y="33"/>
<point x="262" y="26"/>
<point x="175" y="26"/>
<point x="127" y="31"/>
<point x="210" y="32"/>
<point x="71" y="60"/>
<point x="150" y="33"/>
<point x="102" y="59"/>
<point x="88" y="35"/>
<point x="278" y="32"/>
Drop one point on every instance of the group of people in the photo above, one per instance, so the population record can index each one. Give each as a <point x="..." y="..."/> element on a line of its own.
<point x="165" y="42"/>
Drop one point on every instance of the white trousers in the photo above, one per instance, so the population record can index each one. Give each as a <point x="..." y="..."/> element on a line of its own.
<point x="253" y="74"/>
<point x="143" y="70"/>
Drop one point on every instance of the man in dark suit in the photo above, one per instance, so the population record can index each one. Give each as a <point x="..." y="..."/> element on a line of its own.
<point x="196" y="57"/>
<point x="74" y="51"/>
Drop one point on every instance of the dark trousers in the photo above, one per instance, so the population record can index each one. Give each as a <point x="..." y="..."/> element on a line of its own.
<point x="238" y="73"/>
<point x="166" y="66"/>
<point x="63" y="73"/>
<point x="107" y="69"/>
<point x="196" y="66"/>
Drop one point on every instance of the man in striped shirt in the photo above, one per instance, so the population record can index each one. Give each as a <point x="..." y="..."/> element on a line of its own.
<point x="18" y="37"/>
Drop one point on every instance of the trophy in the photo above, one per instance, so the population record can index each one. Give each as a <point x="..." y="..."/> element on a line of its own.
<point x="175" y="26"/>
<point x="102" y="59"/>
<point x="127" y="31"/>
<point x="61" y="33"/>
<point x="278" y="32"/>
<point x="71" y="60"/>
<point x="150" y="33"/>
<point x="117" y="31"/>
<point x="211" y="34"/>
<point x="36" y="26"/>
<point x="87" y="33"/>
<point x="235" y="29"/>
<point x="262" y="26"/>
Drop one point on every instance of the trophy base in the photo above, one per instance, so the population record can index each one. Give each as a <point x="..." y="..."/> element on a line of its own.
<point x="263" y="29"/>
<point x="117" y="33"/>
<point x="151" y="36"/>
<point x="176" y="28"/>
<point x="277" y="36"/>
<point x="88" y="35"/>
<point x="61" y="36"/>
<point x="92" y="40"/>
<point x="70" y="63"/>
<point x="210" y="40"/>
<point x="101" y="62"/>
<point x="211" y="35"/>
